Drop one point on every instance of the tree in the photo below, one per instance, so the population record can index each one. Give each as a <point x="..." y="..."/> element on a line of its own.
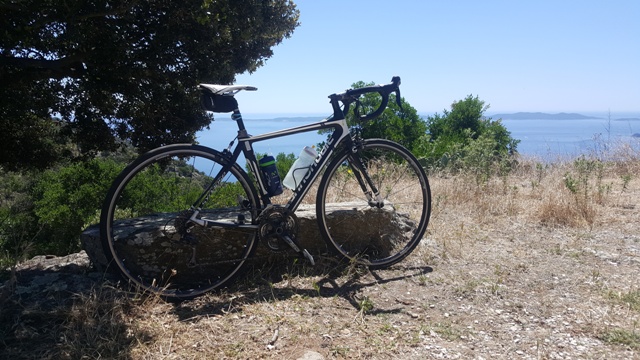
<point x="466" y="137"/>
<point x="402" y="125"/>
<point x="99" y="73"/>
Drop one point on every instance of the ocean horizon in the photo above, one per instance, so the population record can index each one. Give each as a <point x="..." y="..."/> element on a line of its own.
<point x="547" y="138"/>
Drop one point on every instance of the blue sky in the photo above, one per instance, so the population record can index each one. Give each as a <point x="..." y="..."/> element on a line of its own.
<point x="554" y="56"/>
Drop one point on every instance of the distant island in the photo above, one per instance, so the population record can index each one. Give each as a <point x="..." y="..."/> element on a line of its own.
<point x="542" y="116"/>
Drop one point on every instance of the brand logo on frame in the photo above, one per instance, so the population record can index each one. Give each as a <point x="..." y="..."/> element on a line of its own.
<point x="314" y="165"/>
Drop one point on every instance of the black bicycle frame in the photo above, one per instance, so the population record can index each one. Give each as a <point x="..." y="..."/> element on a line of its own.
<point x="245" y="146"/>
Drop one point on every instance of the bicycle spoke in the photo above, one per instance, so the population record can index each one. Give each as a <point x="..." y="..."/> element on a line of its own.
<point x="377" y="237"/>
<point x="146" y="225"/>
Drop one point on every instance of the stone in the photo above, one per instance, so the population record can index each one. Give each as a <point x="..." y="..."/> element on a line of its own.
<point x="48" y="280"/>
<point x="311" y="355"/>
<point x="151" y="237"/>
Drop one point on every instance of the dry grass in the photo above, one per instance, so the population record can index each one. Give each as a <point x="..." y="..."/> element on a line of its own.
<point x="540" y="264"/>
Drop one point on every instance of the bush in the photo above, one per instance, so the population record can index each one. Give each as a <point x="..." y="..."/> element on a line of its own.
<point x="44" y="213"/>
<point x="402" y="125"/>
<point x="66" y="200"/>
<point x="464" y="139"/>
<point x="18" y="223"/>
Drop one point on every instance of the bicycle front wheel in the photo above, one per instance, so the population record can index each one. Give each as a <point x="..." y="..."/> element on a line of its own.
<point x="145" y="227"/>
<point x="374" y="205"/>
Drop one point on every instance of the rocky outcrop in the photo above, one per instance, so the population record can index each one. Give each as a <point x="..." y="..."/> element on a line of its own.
<point x="152" y="237"/>
<point x="47" y="281"/>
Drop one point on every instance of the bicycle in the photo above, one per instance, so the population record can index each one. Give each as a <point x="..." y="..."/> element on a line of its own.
<point x="165" y="221"/>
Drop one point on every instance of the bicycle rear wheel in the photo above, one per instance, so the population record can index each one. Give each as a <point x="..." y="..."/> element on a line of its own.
<point x="145" y="230"/>
<point x="375" y="233"/>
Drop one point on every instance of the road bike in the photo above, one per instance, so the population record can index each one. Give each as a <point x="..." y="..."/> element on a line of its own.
<point x="184" y="219"/>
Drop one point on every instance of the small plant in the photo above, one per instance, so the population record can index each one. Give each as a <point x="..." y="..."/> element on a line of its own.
<point x="570" y="183"/>
<point x="585" y="184"/>
<point x="365" y="304"/>
<point x="622" y="337"/>
<point x="540" y="169"/>
<point x="316" y="287"/>
<point x="446" y="330"/>
<point x="630" y="298"/>
<point x="422" y="280"/>
<point x="626" y="179"/>
<point x="340" y="350"/>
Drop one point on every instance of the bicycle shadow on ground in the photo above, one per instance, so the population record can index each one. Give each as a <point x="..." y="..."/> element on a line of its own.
<point x="282" y="281"/>
<point x="69" y="310"/>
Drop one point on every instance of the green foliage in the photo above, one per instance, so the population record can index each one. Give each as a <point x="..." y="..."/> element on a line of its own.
<point x="400" y="125"/>
<point x="630" y="338"/>
<point x="156" y="189"/>
<point x="121" y="72"/>
<point x="586" y="180"/>
<point x="46" y="212"/>
<point x="283" y="163"/>
<point x="460" y="138"/>
<point x="67" y="198"/>
<point x="464" y="138"/>
<point x="18" y="223"/>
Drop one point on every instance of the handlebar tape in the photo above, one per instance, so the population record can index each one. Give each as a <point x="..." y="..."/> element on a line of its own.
<point x="351" y="95"/>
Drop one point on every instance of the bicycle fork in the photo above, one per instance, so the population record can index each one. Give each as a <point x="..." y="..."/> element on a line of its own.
<point x="366" y="183"/>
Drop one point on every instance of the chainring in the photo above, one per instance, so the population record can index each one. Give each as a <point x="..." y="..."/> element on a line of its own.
<point x="276" y="222"/>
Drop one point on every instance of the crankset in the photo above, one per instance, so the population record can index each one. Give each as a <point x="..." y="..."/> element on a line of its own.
<point x="277" y="223"/>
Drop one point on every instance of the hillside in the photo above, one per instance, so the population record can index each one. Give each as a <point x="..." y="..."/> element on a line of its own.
<point x="540" y="264"/>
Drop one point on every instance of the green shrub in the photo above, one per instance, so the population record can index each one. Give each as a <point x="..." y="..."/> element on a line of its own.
<point x="18" y="223"/>
<point x="67" y="198"/>
<point x="464" y="138"/>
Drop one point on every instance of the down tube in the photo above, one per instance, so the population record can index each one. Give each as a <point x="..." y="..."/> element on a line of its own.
<point x="340" y="135"/>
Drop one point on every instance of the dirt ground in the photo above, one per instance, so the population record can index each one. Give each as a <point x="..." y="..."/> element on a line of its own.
<point x="527" y="266"/>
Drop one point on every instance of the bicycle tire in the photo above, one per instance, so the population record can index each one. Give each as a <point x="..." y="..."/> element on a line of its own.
<point x="143" y="222"/>
<point x="385" y="235"/>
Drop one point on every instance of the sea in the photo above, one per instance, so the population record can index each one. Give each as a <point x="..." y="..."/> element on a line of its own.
<point x="545" y="138"/>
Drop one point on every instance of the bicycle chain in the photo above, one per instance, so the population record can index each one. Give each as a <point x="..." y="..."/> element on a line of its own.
<point x="253" y="258"/>
<point x="276" y="216"/>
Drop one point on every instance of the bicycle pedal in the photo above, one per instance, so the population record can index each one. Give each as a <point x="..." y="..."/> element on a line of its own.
<point x="189" y="239"/>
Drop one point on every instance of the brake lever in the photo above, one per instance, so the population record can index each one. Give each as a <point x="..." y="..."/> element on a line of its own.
<point x="398" y="98"/>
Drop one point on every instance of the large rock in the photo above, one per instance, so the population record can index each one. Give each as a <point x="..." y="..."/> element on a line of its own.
<point x="152" y="237"/>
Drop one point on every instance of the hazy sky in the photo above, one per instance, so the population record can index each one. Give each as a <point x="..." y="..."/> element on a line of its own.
<point x="555" y="56"/>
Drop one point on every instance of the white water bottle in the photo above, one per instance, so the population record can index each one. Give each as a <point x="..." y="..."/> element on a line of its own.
<point x="300" y="168"/>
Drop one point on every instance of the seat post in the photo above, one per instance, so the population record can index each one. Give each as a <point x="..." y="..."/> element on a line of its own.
<point x="237" y="116"/>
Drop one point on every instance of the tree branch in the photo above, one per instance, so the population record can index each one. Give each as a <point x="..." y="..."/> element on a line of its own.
<point x="39" y="69"/>
<point x="26" y="63"/>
